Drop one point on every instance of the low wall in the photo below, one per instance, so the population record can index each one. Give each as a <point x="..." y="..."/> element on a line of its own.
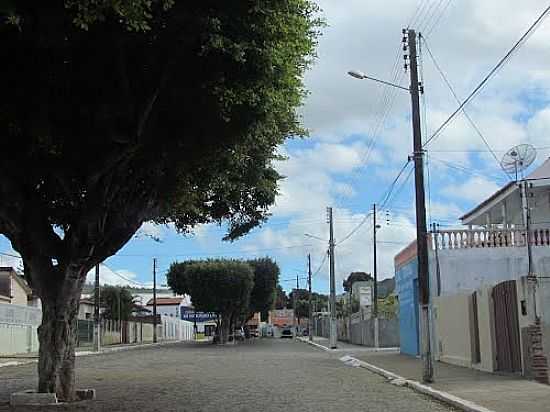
<point x="362" y="332"/>
<point x="18" y="329"/>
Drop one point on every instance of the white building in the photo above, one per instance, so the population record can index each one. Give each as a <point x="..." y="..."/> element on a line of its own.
<point x="486" y="312"/>
<point x="169" y="305"/>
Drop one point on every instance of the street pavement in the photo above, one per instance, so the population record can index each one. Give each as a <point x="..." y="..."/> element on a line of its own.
<point x="261" y="375"/>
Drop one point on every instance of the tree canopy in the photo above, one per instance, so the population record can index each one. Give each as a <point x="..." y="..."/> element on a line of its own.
<point x="218" y="286"/>
<point x="266" y="278"/>
<point x="117" y="112"/>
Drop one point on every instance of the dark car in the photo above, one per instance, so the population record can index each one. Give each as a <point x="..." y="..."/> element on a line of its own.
<point x="286" y="333"/>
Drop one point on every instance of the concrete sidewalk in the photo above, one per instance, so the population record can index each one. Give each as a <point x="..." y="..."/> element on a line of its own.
<point x="500" y="393"/>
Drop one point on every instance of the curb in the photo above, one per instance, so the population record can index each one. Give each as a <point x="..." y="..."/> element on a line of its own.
<point x="446" y="397"/>
<point x="92" y="353"/>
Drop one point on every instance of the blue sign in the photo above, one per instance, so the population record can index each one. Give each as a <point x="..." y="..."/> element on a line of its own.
<point x="190" y="315"/>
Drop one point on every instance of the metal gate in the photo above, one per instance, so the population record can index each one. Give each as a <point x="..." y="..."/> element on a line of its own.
<point x="507" y="327"/>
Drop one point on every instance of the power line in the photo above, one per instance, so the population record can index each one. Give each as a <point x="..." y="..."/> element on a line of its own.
<point x="437" y="20"/>
<point x="461" y="168"/>
<point x="124" y="277"/>
<point x="320" y="265"/>
<point x="386" y="196"/>
<point x="355" y="229"/>
<point x="449" y="85"/>
<point x="500" y="64"/>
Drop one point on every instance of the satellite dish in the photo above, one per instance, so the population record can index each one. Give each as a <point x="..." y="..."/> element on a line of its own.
<point x="518" y="158"/>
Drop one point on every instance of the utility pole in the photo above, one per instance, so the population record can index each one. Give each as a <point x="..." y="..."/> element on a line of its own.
<point x="119" y="313"/>
<point x="375" y="286"/>
<point x="154" y="300"/>
<point x="332" y="341"/>
<point x="531" y="276"/>
<point x="97" y="323"/>
<point x="421" y="232"/>
<point x="310" y="317"/>
<point x="294" y="301"/>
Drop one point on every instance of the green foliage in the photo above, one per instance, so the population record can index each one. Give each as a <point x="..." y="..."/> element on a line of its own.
<point x="117" y="112"/>
<point x="281" y="299"/>
<point x="134" y="14"/>
<point x="217" y="286"/>
<point x="266" y="278"/>
<point x="302" y="302"/>
<point x="388" y="306"/>
<point x="320" y="302"/>
<point x="117" y="301"/>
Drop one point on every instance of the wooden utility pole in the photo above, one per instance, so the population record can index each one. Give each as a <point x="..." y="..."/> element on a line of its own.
<point x="375" y="286"/>
<point x="154" y="300"/>
<point x="332" y="341"/>
<point x="310" y="318"/>
<point x="421" y="231"/>
<point x="97" y="320"/>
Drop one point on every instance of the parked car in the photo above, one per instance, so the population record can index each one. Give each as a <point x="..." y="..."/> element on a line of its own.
<point x="286" y="333"/>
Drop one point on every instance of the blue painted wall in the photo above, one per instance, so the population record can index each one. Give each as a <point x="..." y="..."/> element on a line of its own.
<point x="406" y="279"/>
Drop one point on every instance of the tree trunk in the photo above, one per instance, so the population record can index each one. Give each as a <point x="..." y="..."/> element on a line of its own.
<point x="225" y="326"/>
<point x="57" y="338"/>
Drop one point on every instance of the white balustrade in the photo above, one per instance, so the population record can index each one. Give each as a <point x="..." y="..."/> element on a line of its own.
<point x="488" y="238"/>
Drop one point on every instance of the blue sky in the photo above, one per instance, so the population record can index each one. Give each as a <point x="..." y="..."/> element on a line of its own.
<point x="361" y="137"/>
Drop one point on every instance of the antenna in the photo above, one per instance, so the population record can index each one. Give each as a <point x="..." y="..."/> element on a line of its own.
<point x="518" y="158"/>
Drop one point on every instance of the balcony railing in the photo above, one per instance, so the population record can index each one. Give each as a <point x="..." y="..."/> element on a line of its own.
<point x="488" y="238"/>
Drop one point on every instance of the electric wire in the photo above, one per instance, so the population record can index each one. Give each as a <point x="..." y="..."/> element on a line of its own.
<point x="428" y="31"/>
<point x="466" y="115"/>
<point x="491" y="73"/>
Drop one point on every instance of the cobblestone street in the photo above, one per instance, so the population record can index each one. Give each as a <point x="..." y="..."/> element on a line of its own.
<point x="266" y="375"/>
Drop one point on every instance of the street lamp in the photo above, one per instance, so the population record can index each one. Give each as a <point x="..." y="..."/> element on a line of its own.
<point x="361" y="76"/>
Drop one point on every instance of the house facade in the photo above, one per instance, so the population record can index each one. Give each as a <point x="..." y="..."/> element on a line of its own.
<point x="169" y="305"/>
<point x="14" y="289"/>
<point x="489" y="289"/>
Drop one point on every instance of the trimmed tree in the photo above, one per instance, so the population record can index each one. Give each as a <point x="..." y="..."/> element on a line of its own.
<point x="266" y="278"/>
<point x="115" y="113"/>
<point x="217" y="286"/>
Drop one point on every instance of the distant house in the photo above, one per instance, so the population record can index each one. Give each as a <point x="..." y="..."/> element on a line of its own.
<point x="86" y="309"/>
<point x="14" y="289"/>
<point x="169" y="306"/>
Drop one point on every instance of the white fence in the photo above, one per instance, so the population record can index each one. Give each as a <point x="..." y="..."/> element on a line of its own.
<point x="18" y="329"/>
<point x="19" y="325"/>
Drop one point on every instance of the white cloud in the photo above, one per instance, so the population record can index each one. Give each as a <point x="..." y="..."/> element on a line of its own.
<point x="149" y="230"/>
<point x="475" y="189"/>
<point x="107" y="276"/>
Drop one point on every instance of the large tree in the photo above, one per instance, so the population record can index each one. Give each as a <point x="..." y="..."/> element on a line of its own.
<point x="266" y="278"/>
<point x="117" y="112"/>
<point x="217" y="286"/>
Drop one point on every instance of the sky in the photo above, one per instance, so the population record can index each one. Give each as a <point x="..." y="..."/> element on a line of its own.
<point x="361" y="137"/>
